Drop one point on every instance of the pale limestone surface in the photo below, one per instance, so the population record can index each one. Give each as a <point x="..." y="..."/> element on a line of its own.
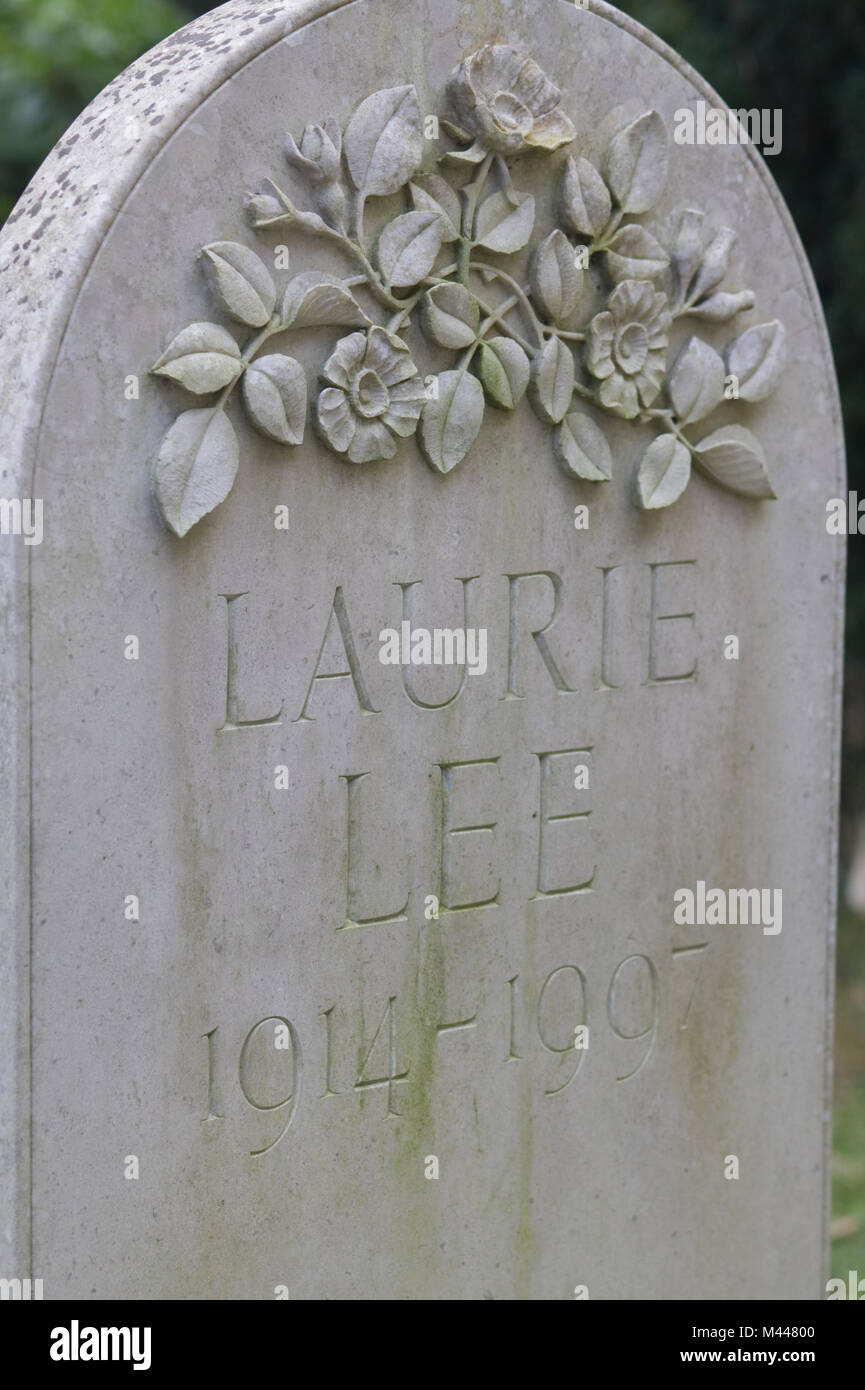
<point x="123" y="778"/>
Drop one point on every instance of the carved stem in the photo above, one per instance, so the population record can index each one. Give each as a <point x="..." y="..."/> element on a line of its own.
<point x="316" y="226"/>
<point x="518" y="291"/>
<point x="602" y="242"/>
<point x="248" y="353"/>
<point x="470" y="194"/>
<point x="494" y="316"/>
<point x="671" y="423"/>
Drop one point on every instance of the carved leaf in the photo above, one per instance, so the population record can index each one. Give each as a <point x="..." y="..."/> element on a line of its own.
<point x="714" y="263"/>
<point x="636" y="162"/>
<point x="685" y="256"/>
<point x="504" y="225"/>
<point x="316" y="300"/>
<point x="757" y="358"/>
<point x="408" y="247"/>
<point x="384" y="141"/>
<point x="696" y="383"/>
<point x="552" y="381"/>
<point x="473" y="155"/>
<point x="241" y="282"/>
<point x="718" y="308"/>
<point x="450" y="423"/>
<point x="504" y="370"/>
<point x="202" y="358"/>
<point x="734" y="458"/>
<point x="556" y="280"/>
<point x="274" y="393"/>
<point x="196" y="467"/>
<point x="586" y="202"/>
<point x="662" y="473"/>
<point x="582" y="450"/>
<point x="451" y="316"/>
<point x="634" y="254"/>
<point x="434" y="194"/>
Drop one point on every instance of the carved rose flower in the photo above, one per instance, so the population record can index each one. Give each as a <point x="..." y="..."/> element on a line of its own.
<point x="626" y="347"/>
<point x="319" y="160"/>
<point x="374" y="394"/>
<point x="319" y="154"/>
<point x="506" y="103"/>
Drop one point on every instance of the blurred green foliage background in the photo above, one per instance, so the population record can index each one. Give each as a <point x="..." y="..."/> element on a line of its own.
<point x="806" y="59"/>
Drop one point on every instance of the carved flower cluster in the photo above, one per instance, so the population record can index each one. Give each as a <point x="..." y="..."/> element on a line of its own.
<point x="464" y="262"/>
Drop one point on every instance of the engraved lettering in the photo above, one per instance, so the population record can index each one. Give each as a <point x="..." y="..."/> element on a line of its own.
<point x="453" y="783"/>
<point x="556" y="778"/>
<point x="328" y="1044"/>
<point x="634" y="991"/>
<point x="232" y="716"/>
<point x="250" y="1069"/>
<point x="212" y="1112"/>
<point x="354" y="917"/>
<point x="408" y="615"/>
<point x="682" y="951"/>
<point x="538" y="634"/>
<point x="569" y="1032"/>
<point x="661" y="575"/>
<point x="607" y="682"/>
<point x="513" y="1055"/>
<point x="393" y="1076"/>
<point x="353" y="672"/>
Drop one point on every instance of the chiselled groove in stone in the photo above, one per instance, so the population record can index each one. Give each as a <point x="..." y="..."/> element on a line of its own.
<point x="449" y="831"/>
<point x="353" y="917"/>
<point x="568" y="1046"/>
<point x="653" y="1023"/>
<point x="538" y="635"/>
<point x="408" y="616"/>
<point x="339" y="612"/>
<point x="545" y="817"/>
<point x="673" y="677"/>
<point x="606" y="682"/>
<point x="292" y="1099"/>
<point x="232" y="719"/>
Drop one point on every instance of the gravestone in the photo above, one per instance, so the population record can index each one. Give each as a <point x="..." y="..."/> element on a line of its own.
<point x="421" y="689"/>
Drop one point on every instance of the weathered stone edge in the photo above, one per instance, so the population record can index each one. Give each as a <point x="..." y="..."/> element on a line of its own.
<point x="43" y="265"/>
<point x="839" y="489"/>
